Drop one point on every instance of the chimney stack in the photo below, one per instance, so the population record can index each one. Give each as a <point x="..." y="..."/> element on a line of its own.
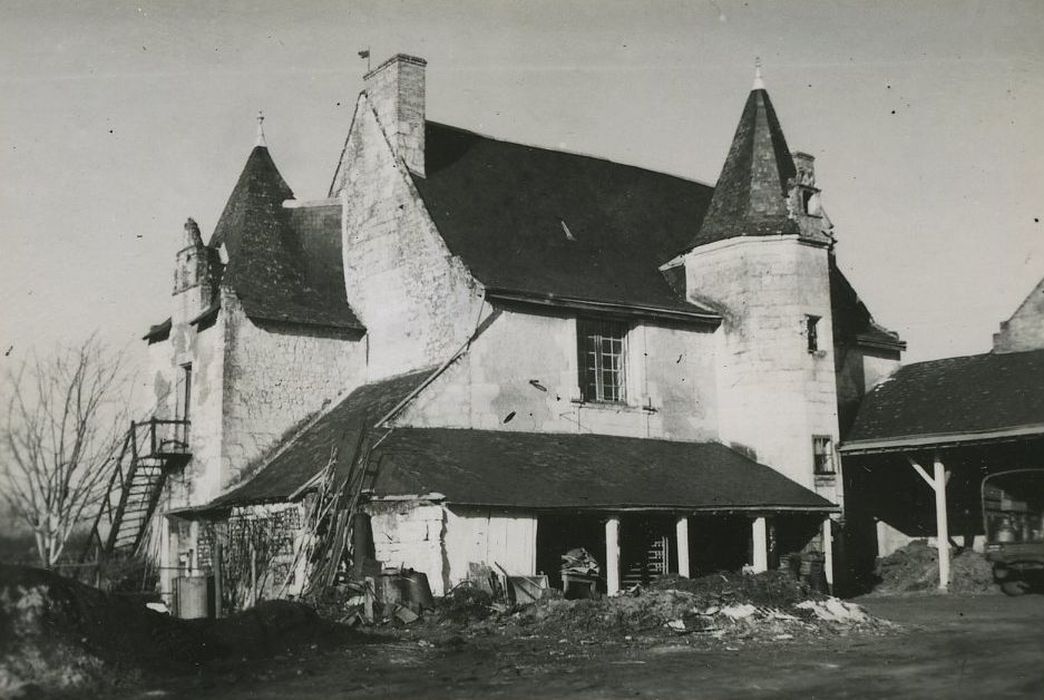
<point x="396" y="90"/>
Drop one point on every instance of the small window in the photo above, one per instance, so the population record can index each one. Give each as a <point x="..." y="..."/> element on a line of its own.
<point x="183" y="405"/>
<point x="812" y="333"/>
<point x="808" y="202"/>
<point x="602" y="349"/>
<point x="822" y="455"/>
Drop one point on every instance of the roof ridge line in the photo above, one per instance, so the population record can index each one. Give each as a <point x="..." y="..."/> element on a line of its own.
<point x="566" y="152"/>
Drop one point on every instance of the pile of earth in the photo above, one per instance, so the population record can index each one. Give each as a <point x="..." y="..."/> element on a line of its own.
<point x="915" y="568"/>
<point x="771" y="606"/>
<point x="60" y="636"/>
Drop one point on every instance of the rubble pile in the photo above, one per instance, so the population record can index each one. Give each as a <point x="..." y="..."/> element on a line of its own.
<point x="915" y="568"/>
<point x="60" y="636"/>
<point x="773" y="606"/>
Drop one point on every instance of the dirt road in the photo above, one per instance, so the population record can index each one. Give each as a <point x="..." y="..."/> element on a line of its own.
<point x="951" y="647"/>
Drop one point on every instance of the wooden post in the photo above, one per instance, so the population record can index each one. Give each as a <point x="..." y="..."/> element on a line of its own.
<point x="216" y="564"/>
<point x="612" y="556"/>
<point x="942" y="530"/>
<point x="759" y="533"/>
<point x="253" y="575"/>
<point x="828" y="553"/>
<point x="681" y="528"/>
<point x="937" y="482"/>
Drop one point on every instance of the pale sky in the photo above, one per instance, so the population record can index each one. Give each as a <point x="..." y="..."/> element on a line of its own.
<point x="119" y="120"/>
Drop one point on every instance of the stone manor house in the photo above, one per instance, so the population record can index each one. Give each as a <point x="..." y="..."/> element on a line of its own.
<point x="540" y="350"/>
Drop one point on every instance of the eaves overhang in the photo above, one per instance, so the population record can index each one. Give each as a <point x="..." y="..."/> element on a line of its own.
<point x="625" y="310"/>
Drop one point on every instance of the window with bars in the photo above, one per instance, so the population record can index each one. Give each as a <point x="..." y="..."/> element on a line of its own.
<point x="822" y="455"/>
<point x="602" y="356"/>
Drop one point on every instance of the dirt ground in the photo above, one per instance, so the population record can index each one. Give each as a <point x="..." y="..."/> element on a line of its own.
<point x="949" y="646"/>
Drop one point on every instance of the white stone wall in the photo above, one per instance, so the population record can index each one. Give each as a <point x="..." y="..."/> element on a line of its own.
<point x="418" y="302"/>
<point x="774" y="395"/>
<point x="521" y="374"/>
<point x="197" y="482"/>
<point x="410" y="534"/>
<point x="276" y="376"/>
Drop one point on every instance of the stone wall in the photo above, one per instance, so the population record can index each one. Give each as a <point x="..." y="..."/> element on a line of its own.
<point x="1025" y="329"/>
<point x="774" y="394"/>
<point x="275" y="376"/>
<point x="411" y="534"/>
<point x="521" y="374"/>
<point x="204" y="350"/>
<point x="418" y="301"/>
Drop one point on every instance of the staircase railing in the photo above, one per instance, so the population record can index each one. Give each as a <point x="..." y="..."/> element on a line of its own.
<point x="150" y="450"/>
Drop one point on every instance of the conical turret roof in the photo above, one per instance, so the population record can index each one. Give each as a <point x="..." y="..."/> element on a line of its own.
<point x="275" y="264"/>
<point x="750" y="198"/>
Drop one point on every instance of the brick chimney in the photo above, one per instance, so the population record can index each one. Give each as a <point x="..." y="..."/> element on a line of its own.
<point x="396" y="90"/>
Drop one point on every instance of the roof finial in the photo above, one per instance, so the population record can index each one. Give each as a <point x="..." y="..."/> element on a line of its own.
<point x="759" y="84"/>
<point x="260" y="141"/>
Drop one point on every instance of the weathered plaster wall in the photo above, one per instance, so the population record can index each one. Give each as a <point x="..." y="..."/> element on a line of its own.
<point x="774" y="395"/>
<point x="276" y="376"/>
<point x="489" y="537"/>
<point x="411" y="534"/>
<point x="1025" y="329"/>
<point x="521" y="374"/>
<point x="418" y="302"/>
<point x="441" y="541"/>
<point x="196" y="483"/>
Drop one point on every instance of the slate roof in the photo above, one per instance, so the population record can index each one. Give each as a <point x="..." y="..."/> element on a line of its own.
<point x="750" y="195"/>
<point x="284" y="264"/>
<point x="158" y="331"/>
<point x="308" y="450"/>
<point x="553" y="224"/>
<point x="952" y="401"/>
<point x="547" y="470"/>
<point x="533" y="470"/>
<point x="852" y="320"/>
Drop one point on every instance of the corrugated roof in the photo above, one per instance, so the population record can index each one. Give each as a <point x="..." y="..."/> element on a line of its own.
<point x="750" y="197"/>
<point x="554" y="224"/>
<point x="284" y="264"/>
<point x="307" y="451"/>
<point x="953" y="400"/>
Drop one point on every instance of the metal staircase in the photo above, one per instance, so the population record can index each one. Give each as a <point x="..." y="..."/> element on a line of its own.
<point x="150" y="451"/>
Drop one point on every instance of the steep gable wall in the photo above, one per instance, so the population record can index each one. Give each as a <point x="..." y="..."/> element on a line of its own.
<point x="1025" y="329"/>
<point x="418" y="302"/>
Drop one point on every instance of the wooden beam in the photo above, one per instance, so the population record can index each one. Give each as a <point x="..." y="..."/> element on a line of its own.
<point x="681" y="530"/>
<point x="612" y="556"/>
<point x="920" y="470"/>
<point x="942" y="531"/>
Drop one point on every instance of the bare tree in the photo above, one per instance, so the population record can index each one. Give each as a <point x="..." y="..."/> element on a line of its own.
<point x="58" y="437"/>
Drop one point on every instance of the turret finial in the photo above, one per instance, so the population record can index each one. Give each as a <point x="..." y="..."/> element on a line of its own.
<point x="759" y="84"/>
<point x="260" y="141"/>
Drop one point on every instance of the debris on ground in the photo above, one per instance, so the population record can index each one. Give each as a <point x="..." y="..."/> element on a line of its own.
<point x="915" y="568"/>
<point x="579" y="561"/>
<point x="771" y="607"/>
<point x="61" y="636"/>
